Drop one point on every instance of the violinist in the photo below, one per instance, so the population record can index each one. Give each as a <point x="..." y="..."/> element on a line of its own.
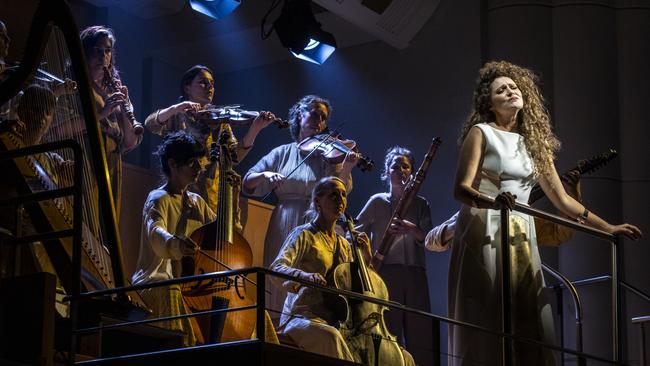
<point x="404" y="268"/>
<point x="171" y="213"/>
<point x="307" y="118"/>
<point x="310" y="252"/>
<point x="197" y="90"/>
<point x="113" y="106"/>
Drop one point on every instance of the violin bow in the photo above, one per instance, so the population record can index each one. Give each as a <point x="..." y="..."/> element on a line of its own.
<point x="211" y="257"/>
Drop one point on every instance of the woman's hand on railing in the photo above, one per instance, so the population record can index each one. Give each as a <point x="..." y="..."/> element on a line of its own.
<point x="506" y="199"/>
<point x="629" y="230"/>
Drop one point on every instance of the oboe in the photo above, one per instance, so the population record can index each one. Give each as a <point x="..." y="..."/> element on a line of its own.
<point x="111" y="85"/>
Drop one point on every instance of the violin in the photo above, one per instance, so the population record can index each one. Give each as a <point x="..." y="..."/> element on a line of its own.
<point x="334" y="149"/>
<point x="233" y="114"/>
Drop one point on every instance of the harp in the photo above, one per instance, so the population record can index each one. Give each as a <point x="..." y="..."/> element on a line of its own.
<point x="53" y="53"/>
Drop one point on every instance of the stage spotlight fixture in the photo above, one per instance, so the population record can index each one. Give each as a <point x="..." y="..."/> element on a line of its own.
<point x="299" y="31"/>
<point x="215" y="9"/>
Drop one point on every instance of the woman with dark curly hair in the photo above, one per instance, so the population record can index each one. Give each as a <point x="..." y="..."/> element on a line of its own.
<point x="506" y="146"/>
<point x="170" y="214"/>
<point x="307" y="118"/>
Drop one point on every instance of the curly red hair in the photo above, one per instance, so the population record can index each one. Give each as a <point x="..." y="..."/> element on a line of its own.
<point x="534" y="122"/>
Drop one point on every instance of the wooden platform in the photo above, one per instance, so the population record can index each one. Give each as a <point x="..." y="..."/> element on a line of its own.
<point x="247" y="353"/>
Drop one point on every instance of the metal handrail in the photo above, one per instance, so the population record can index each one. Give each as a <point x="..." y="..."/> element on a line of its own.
<point x="576" y="301"/>
<point x="598" y="279"/>
<point x="565" y="283"/>
<point x="260" y="330"/>
<point x="77" y="209"/>
<point x="41" y="148"/>
<point x="505" y="270"/>
<point x="262" y="272"/>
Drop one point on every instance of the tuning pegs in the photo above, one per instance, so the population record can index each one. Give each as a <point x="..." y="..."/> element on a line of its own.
<point x="366" y="164"/>
<point x="214" y="152"/>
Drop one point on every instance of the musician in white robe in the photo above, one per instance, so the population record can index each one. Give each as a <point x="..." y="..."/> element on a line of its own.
<point x="171" y="213"/>
<point x="310" y="252"/>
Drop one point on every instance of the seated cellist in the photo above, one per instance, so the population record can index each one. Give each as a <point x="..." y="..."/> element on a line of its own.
<point x="311" y="252"/>
<point x="170" y="214"/>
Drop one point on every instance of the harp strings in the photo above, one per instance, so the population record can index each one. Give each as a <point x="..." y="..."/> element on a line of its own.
<point x="68" y="123"/>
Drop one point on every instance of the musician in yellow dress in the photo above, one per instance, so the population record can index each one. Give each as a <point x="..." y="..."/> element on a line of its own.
<point x="197" y="90"/>
<point x="310" y="252"/>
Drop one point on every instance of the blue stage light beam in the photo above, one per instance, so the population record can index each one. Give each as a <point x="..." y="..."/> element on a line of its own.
<point x="215" y="9"/>
<point x="315" y="51"/>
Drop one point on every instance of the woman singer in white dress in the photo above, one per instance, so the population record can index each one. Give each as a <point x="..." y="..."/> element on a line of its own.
<point x="507" y="145"/>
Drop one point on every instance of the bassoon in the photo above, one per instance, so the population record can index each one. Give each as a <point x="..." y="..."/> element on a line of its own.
<point x="410" y="191"/>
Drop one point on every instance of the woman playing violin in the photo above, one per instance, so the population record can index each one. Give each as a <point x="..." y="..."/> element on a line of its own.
<point x="310" y="252"/>
<point x="197" y="91"/>
<point x="307" y="118"/>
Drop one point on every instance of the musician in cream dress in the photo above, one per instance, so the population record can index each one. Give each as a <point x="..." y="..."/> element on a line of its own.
<point x="311" y="252"/>
<point x="507" y="146"/>
<point x="119" y="135"/>
<point x="404" y="267"/>
<point x="170" y="214"/>
<point x="34" y="114"/>
<point x="197" y="91"/>
<point x="283" y="172"/>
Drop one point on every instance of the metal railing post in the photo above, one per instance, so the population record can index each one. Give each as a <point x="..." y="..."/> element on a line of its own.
<point x="559" y="298"/>
<point x="261" y="301"/>
<point x="642" y="321"/>
<point x="616" y="304"/>
<point x="77" y="218"/>
<point x="506" y="313"/>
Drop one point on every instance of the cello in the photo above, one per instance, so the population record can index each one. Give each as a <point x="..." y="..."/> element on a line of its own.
<point x="221" y="248"/>
<point x="364" y="328"/>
